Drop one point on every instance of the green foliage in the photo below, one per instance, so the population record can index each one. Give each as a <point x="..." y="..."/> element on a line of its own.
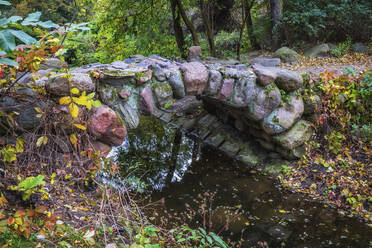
<point x="335" y="140"/>
<point x="80" y="49"/>
<point x="8" y="154"/>
<point x="342" y="48"/>
<point x="30" y="186"/>
<point x="327" y="20"/>
<point x="128" y="28"/>
<point x="199" y="238"/>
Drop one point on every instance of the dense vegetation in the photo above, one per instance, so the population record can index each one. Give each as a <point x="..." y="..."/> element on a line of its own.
<point x="85" y="31"/>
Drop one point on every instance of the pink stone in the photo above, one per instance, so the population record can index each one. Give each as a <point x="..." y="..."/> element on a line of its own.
<point x="226" y="89"/>
<point x="146" y="100"/>
<point x="195" y="76"/>
<point x="124" y="94"/>
<point x="105" y="126"/>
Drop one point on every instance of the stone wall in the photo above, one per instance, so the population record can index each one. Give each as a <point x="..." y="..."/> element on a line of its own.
<point x="264" y="102"/>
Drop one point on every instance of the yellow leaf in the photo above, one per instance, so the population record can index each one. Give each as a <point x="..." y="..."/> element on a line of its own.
<point x="75" y="91"/>
<point x="282" y="211"/>
<point x="43" y="140"/>
<point x="74" y="110"/>
<point x="65" y="100"/>
<point x="73" y="138"/>
<point x="82" y="100"/>
<point x="80" y="126"/>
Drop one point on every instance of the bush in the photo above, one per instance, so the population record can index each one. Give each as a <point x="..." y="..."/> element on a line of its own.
<point x="327" y="20"/>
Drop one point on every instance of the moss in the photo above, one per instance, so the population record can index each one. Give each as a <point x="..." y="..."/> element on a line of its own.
<point x="118" y="73"/>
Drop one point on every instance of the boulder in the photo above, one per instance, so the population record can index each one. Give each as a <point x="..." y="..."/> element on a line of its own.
<point x="159" y="73"/>
<point x="121" y="65"/>
<point x="266" y="101"/>
<point x="60" y="84"/>
<point x="265" y="75"/>
<point x="359" y="48"/>
<point x="175" y="80"/>
<point x="226" y="89"/>
<point x="53" y="63"/>
<point x="266" y="62"/>
<point x="284" y="117"/>
<point x="288" y="80"/>
<point x="311" y="103"/>
<point x="188" y="105"/>
<point x="146" y="102"/>
<point x="214" y="83"/>
<point x="143" y="77"/>
<point x="195" y="53"/>
<point x="128" y="114"/>
<point x="163" y="93"/>
<point x="29" y="78"/>
<point x="245" y="91"/>
<point x="100" y="147"/>
<point x="321" y="50"/>
<point x="287" y="55"/>
<point x="296" y="136"/>
<point x="28" y="119"/>
<point x="195" y="76"/>
<point x="104" y="125"/>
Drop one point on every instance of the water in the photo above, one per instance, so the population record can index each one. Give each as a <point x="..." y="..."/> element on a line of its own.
<point x="183" y="174"/>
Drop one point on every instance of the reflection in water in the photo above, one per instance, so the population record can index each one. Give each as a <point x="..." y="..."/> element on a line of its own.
<point x="179" y="172"/>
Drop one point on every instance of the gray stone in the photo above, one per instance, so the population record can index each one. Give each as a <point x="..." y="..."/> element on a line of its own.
<point x="359" y="48"/>
<point x="296" y="136"/>
<point x="266" y="62"/>
<point x="284" y="117"/>
<point x="321" y="50"/>
<point x="265" y="75"/>
<point x="60" y="84"/>
<point x="53" y="63"/>
<point x="248" y="156"/>
<point x="195" y="53"/>
<point x="195" y="76"/>
<point x="230" y="148"/>
<point x="163" y="93"/>
<point x="128" y="114"/>
<point x="214" y="83"/>
<point x="119" y="65"/>
<point x="266" y="101"/>
<point x="215" y="139"/>
<point x="288" y="80"/>
<point x="267" y="145"/>
<point x="188" y="105"/>
<point x="286" y="55"/>
<point x="118" y="78"/>
<point x="28" y="119"/>
<point x="245" y="91"/>
<point x="292" y="154"/>
<point x="242" y="67"/>
<point x="311" y="103"/>
<point x="159" y="73"/>
<point x="30" y="78"/>
<point x="175" y="80"/>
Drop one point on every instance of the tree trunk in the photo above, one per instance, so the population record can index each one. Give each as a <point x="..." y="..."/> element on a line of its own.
<point x="276" y="13"/>
<point x="209" y="30"/>
<point x="188" y="23"/>
<point x="249" y="22"/>
<point x="178" y="28"/>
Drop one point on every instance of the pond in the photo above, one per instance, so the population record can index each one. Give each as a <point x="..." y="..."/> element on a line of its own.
<point x="196" y="184"/>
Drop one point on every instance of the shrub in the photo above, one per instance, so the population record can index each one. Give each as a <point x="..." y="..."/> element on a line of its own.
<point x="327" y="20"/>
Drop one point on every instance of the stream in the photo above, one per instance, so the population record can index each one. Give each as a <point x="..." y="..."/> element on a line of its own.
<point x="239" y="203"/>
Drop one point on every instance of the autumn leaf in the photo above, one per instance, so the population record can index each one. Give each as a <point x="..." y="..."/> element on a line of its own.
<point x="73" y="139"/>
<point x="43" y="140"/>
<point x="80" y="126"/>
<point x="74" y="110"/>
<point x="75" y="91"/>
<point x="65" y="100"/>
